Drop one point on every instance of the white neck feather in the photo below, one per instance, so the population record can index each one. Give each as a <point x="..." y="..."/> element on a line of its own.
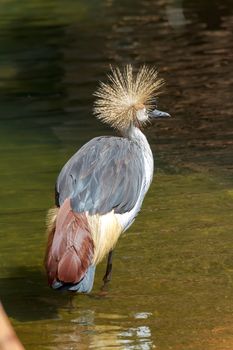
<point x="135" y="135"/>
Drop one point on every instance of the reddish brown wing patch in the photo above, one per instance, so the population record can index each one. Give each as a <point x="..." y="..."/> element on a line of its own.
<point x="71" y="251"/>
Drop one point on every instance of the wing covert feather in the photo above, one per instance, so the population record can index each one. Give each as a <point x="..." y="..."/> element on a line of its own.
<point x="105" y="174"/>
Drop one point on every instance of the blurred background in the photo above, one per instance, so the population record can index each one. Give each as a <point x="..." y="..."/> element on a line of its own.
<point x="173" y="271"/>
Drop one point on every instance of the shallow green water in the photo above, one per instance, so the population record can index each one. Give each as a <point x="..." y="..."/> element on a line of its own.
<point x="172" y="281"/>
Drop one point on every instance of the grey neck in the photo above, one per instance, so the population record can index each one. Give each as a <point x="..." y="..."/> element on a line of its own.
<point x="134" y="134"/>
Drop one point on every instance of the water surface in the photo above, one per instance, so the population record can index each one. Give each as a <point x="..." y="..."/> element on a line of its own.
<point x="172" y="282"/>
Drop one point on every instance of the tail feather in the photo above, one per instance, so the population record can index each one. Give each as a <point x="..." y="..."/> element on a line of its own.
<point x="83" y="286"/>
<point x="70" y="247"/>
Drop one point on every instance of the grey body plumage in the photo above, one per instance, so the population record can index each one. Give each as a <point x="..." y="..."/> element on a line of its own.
<point x="105" y="174"/>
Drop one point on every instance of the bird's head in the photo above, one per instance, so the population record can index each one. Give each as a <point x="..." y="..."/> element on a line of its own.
<point x="129" y="97"/>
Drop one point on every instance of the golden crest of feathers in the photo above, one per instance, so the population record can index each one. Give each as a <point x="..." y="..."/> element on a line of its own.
<point x="118" y="101"/>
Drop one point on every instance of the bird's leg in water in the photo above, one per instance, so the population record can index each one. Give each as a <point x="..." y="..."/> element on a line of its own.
<point x="107" y="276"/>
<point x="71" y="303"/>
<point x="108" y="273"/>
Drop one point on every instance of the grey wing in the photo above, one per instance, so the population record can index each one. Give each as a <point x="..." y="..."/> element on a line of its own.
<point x="105" y="174"/>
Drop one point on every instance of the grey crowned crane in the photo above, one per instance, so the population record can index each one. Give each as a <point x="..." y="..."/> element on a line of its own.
<point x="100" y="190"/>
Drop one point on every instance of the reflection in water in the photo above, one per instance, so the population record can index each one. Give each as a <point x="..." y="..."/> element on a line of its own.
<point x="175" y="14"/>
<point x="90" y="330"/>
<point x="143" y="336"/>
<point x="172" y="278"/>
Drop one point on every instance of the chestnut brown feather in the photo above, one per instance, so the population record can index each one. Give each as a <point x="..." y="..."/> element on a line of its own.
<point x="70" y="247"/>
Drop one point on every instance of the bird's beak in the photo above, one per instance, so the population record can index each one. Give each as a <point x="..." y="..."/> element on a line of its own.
<point x="159" y="114"/>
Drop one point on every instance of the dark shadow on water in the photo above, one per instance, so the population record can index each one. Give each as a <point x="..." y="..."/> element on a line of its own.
<point x="26" y="296"/>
